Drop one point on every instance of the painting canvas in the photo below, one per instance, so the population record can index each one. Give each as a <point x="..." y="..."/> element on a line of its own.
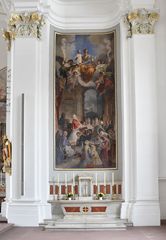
<point x="85" y="101"/>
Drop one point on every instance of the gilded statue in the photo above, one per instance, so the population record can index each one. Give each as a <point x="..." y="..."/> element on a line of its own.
<point x="7" y="155"/>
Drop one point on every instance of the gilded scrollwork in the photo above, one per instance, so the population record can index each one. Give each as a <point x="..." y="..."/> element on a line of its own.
<point x="141" y="21"/>
<point x="8" y="36"/>
<point x="24" y="24"/>
<point x="7" y="155"/>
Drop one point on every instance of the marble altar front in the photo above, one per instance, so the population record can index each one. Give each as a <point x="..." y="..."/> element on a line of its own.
<point x="85" y="214"/>
<point x="85" y="210"/>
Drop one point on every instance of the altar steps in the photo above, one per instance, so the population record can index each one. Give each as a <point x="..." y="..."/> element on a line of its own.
<point x="107" y="224"/>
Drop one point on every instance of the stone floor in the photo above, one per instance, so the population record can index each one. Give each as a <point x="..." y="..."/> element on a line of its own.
<point x="5" y="227"/>
<point x="132" y="233"/>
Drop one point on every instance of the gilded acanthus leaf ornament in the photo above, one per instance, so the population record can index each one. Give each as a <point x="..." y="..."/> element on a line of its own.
<point x="8" y="36"/>
<point x="26" y="24"/>
<point x="141" y="21"/>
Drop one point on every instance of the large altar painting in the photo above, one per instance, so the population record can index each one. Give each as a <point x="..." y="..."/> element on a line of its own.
<point x="85" y="101"/>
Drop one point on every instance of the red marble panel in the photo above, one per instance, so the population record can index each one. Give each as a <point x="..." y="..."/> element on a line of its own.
<point x="69" y="188"/>
<point x="94" y="189"/>
<point x="63" y="189"/>
<point x="98" y="209"/>
<point x="114" y="189"/>
<point x="108" y="189"/>
<point x="76" y="189"/>
<point x="119" y="188"/>
<point x="102" y="188"/>
<point x="72" y="209"/>
<point x="56" y="189"/>
<point x="51" y="189"/>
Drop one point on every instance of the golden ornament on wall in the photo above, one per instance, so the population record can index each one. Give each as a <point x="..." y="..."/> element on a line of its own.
<point x="141" y="21"/>
<point x="8" y="36"/>
<point x="25" y="24"/>
<point x="7" y="155"/>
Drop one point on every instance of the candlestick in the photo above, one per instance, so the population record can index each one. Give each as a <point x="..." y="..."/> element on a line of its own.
<point x="58" y="186"/>
<point x="73" y="179"/>
<point x="53" y="187"/>
<point x="85" y="189"/>
<point x="113" y="179"/>
<point x="104" y="179"/>
<point x="96" y="179"/>
<point x="58" y="180"/>
<point x="65" y="180"/>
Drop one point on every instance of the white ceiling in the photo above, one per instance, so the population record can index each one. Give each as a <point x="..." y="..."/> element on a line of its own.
<point x="74" y="14"/>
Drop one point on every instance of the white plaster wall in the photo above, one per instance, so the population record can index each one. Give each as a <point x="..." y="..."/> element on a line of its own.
<point x="161" y="78"/>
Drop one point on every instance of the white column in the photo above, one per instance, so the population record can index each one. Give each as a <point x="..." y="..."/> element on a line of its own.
<point x="128" y="123"/>
<point x="44" y="108"/>
<point x="22" y="208"/>
<point x="146" y="210"/>
<point x="25" y="205"/>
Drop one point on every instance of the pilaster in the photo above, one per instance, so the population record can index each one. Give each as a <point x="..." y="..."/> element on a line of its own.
<point x="128" y="123"/>
<point x="24" y="204"/>
<point x="145" y="210"/>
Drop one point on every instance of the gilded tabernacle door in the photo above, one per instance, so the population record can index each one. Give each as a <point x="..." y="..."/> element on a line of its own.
<point x="85" y="116"/>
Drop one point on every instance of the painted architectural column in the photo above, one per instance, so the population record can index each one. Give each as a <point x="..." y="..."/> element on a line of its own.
<point x="145" y="209"/>
<point x="23" y="36"/>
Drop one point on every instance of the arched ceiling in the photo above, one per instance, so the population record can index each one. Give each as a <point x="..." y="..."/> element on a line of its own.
<point x="74" y="14"/>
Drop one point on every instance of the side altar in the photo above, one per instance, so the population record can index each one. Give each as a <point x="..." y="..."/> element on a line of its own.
<point x="82" y="208"/>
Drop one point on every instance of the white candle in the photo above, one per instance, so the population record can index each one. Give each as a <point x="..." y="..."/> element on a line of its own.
<point x="113" y="179"/>
<point x="58" y="180"/>
<point x="96" y="179"/>
<point x="73" y="179"/>
<point x="65" y="180"/>
<point x="52" y="179"/>
<point x="104" y="179"/>
<point x="53" y="182"/>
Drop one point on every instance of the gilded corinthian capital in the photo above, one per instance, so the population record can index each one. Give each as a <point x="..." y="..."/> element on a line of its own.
<point x="141" y="21"/>
<point x="24" y="24"/>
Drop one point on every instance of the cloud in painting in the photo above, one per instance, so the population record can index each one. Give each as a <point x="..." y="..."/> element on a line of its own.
<point x="66" y="46"/>
<point x="102" y="45"/>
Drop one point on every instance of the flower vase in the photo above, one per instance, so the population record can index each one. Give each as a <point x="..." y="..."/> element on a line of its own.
<point x="100" y="198"/>
<point x="69" y="198"/>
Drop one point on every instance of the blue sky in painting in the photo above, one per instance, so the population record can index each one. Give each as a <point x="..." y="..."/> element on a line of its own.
<point x="81" y="42"/>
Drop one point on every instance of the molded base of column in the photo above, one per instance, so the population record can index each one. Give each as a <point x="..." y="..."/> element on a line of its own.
<point x="3" y="209"/>
<point x="126" y="211"/>
<point x="27" y="213"/>
<point x="146" y="213"/>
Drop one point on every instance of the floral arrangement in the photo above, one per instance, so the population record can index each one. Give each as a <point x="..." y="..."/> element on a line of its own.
<point x="100" y="195"/>
<point x="70" y="195"/>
